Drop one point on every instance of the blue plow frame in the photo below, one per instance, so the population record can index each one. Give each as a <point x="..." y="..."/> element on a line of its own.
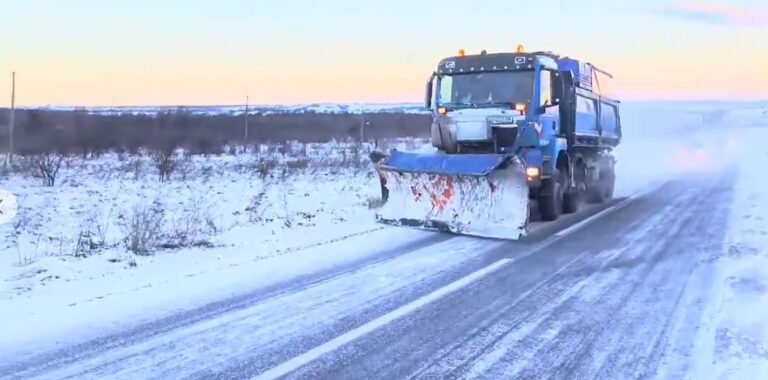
<point x="449" y="164"/>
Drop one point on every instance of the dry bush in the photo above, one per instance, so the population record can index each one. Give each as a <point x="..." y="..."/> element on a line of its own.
<point x="297" y="164"/>
<point x="46" y="167"/>
<point x="144" y="229"/>
<point x="265" y="166"/>
<point x="91" y="238"/>
<point x="85" y="244"/>
<point x="185" y="167"/>
<point x="354" y="157"/>
<point x="256" y="204"/>
<point x="97" y="226"/>
<point x="284" y="201"/>
<point x="189" y="228"/>
<point x="165" y="162"/>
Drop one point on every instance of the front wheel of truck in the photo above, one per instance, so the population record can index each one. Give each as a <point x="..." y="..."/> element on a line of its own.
<point x="574" y="196"/>
<point x="551" y="197"/>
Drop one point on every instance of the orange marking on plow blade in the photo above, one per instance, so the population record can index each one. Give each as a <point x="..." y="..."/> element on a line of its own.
<point x="439" y="199"/>
<point x="416" y="193"/>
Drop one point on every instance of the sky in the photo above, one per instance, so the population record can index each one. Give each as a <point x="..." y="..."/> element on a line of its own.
<point x="194" y="52"/>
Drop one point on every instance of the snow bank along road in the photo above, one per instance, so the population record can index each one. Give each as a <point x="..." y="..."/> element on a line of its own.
<point x="622" y="300"/>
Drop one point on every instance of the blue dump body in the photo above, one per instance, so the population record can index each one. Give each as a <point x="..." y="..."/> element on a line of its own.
<point x="582" y="72"/>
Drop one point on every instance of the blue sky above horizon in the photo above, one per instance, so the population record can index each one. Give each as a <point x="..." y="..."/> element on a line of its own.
<point x="138" y="52"/>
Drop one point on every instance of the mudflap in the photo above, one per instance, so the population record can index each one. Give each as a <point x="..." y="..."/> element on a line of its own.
<point x="490" y="201"/>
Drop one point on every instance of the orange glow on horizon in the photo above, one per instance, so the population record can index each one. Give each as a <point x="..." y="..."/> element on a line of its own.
<point x="369" y="77"/>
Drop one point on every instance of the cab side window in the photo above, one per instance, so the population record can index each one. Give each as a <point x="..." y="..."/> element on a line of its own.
<point x="546" y="88"/>
<point x="446" y="86"/>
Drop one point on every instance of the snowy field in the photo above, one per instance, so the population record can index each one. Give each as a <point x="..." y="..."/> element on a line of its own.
<point x="111" y="244"/>
<point x="733" y="340"/>
<point x="111" y="229"/>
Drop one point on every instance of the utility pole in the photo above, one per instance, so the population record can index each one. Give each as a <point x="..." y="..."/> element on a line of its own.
<point x="12" y="118"/>
<point x="362" y="123"/>
<point x="245" y="132"/>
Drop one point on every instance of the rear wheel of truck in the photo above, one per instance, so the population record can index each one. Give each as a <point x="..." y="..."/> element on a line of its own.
<point x="603" y="189"/>
<point x="610" y="184"/>
<point x="551" y="197"/>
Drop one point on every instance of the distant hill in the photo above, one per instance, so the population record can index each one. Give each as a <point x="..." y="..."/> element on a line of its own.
<point x="326" y="108"/>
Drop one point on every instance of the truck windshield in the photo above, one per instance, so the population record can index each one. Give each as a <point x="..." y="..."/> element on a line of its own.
<point x="483" y="89"/>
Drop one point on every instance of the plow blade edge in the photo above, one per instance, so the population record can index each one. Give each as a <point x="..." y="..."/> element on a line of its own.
<point x="470" y="194"/>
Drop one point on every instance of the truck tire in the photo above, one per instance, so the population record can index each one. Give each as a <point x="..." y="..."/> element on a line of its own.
<point x="573" y="198"/>
<point x="603" y="191"/>
<point x="551" y="197"/>
<point x="610" y="184"/>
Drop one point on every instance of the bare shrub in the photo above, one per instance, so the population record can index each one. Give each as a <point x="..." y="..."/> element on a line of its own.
<point x="46" y="167"/>
<point x="210" y="223"/>
<point x="265" y="166"/>
<point x="255" y="207"/>
<point x="130" y="165"/>
<point x="297" y="164"/>
<point x="20" y="226"/>
<point x="186" y="230"/>
<point x="137" y="167"/>
<point x="288" y="217"/>
<point x="85" y="244"/>
<point x="185" y="167"/>
<point x="96" y="226"/>
<point x="355" y="157"/>
<point x="144" y="229"/>
<point x="165" y="163"/>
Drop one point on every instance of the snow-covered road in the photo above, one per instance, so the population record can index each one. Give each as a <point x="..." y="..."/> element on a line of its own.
<point x="669" y="283"/>
<point x="619" y="302"/>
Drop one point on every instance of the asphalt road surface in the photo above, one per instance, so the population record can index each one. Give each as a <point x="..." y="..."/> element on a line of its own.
<point x="611" y="292"/>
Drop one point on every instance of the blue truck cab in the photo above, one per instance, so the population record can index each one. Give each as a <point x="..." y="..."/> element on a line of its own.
<point x="551" y="113"/>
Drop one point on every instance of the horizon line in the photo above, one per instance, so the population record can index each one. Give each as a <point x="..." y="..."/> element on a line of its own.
<point x="352" y="104"/>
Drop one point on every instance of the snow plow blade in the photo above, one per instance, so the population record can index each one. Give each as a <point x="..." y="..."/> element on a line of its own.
<point x="482" y="195"/>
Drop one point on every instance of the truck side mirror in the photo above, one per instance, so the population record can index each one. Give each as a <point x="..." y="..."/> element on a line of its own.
<point x="428" y="92"/>
<point x="558" y="89"/>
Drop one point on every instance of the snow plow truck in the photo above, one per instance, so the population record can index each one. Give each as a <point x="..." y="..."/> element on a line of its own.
<point x="515" y="137"/>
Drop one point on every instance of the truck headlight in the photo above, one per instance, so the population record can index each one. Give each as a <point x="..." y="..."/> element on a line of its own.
<point x="532" y="172"/>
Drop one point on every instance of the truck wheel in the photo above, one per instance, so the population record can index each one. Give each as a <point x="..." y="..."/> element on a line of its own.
<point x="551" y="197"/>
<point x="603" y="191"/>
<point x="572" y="199"/>
<point x="610" y="184"/>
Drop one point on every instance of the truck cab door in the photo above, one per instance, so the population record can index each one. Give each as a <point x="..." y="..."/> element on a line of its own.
<point x="549" y="108"/>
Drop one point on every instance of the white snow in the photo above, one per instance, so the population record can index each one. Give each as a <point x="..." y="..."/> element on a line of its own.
<point x="65" y="255"/>
<point x="662" y="141"/>
<point x="271" y="324"/>
<point x="238" y="232"/>
<point x="733" y="339"/>
<point x="315" y="353"/>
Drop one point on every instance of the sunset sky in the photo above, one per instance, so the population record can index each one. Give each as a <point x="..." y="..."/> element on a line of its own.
<point x="195" y="52"/>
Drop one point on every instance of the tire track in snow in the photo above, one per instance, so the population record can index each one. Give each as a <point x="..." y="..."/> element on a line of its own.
<point x="516" y="324"/>
<point x="427" y="337"/>
<point x="616" y="320"/>
<point x="144" y="332"/>
<point x="643" y="325"/>
<point x="578" y="321"/>
<point x="277" y="327"/>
